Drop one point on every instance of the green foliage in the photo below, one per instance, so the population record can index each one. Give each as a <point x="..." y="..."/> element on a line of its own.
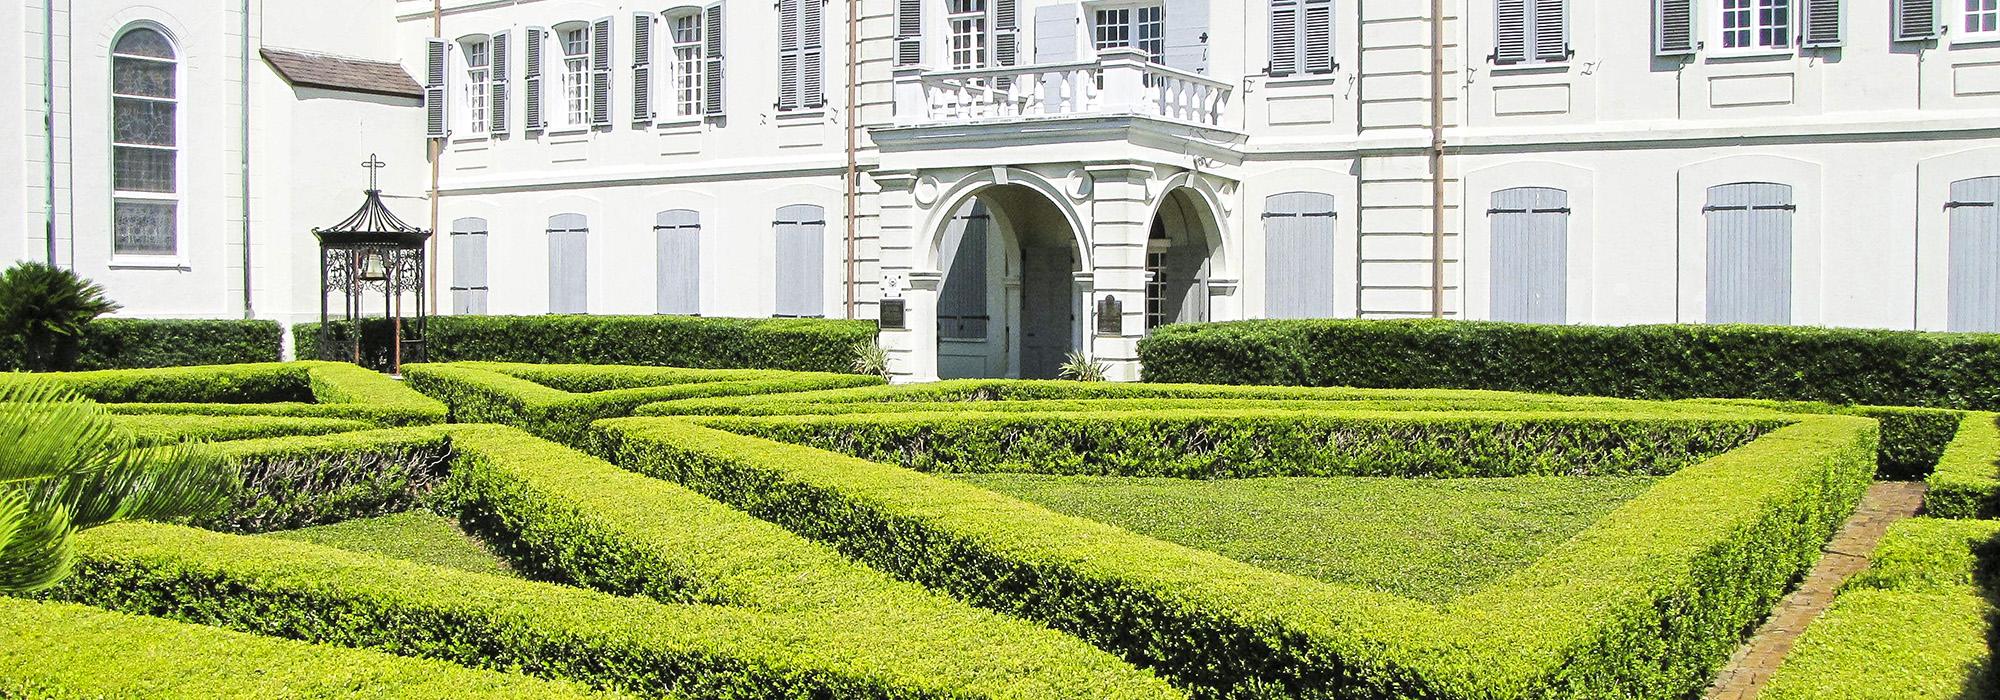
<point x="287" y="483"/>
<point x="870" y="359"/>
<point x="1840" y="366"/>
<point x="1427" y="539"/>
<point x="130" y="343"/>
<point x="65" y="468"/>
<point x="416" y="535"/>
<point x="305" y="389"/>
<point x="169" y="428"/>
<point x="1967" y="481"/>
<point x="1914" y="626"/>
<point x="1078" y="367"/>
<point x="63" y="651"/>
<point x="811" y="345"/>
<point x="1224" y="444"/>
<point x="43" y="312"/>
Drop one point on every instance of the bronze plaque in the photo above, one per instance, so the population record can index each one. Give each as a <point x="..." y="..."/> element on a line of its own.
<point x="892" y="314"/>
<point x="1110" y="316"/>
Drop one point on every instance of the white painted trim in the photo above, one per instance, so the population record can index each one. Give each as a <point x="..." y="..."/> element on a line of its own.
<point x="1933" y="232"/>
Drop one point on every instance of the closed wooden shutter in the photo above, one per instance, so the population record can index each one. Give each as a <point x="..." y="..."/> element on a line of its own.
<point x="1551" y="31"/>
<point x="496" y="93"/>
<point x="1298" y="255"/>
<point x="468" y="266"/>
<point x="678" y="235"/>
<point x="1284" y="38"/>
<point x="1316" y="37"/>
<point x="801" y="239"/>
<point x="1530" y="250"/>
<point x="1821" y="24"/>
<point x="1187" y="35"/>
<point x="531" y="80"/>
<point x="569" y="264"/>
<point x="1006" y="34"/>
<point x="1673" y="27"/>
<point x="600" y="72"/>
<point x="1917" y="20"/>
<point x="1055" y="32"/>
<point x="437" y="55"/>
<point x="909" y="32"/>
<point x="1973" y="297"/>
<point x="642" y="67"/>
<point x="1750" y="253"/>
<point x="962" y="313"/>
<point x="711" y="91"/>
<point x="812" y="54"/>
<point x="1510" y="31"/>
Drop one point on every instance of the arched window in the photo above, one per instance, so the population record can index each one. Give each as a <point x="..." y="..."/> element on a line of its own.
<point x="801" y="238"/>
<point x="677" y="233"/>
<point x="1530" y="251"/>
<point x="145" y="143"/>
<point x="569" y="264"/>
<point x="1972" y="301"/>
<point x="1750" y="253"/>
<point x="1298" y="255"/>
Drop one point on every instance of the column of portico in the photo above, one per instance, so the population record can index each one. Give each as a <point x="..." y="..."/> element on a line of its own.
<point x="1121" y="215"/>
<point x="912" y="349"/>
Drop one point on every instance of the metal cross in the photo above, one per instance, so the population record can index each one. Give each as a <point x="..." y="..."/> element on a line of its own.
<point x="374" y="165"/>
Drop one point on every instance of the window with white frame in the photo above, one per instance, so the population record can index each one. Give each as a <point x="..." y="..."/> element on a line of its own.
<point x="1982" y="19"/>
<point x="478" y="80"/>
<point x="574" y="40"/>
<point x="145" y="140"/>
<point x="1142" y="27"/>
<point x="967" y="21"/>
<point x="1301" y="37"/>
<point x="685" y="32"/>
<point x="1748" y="26"/>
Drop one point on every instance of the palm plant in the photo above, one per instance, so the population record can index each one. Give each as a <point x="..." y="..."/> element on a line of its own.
<point x="43" y="311"/>
<point x="1077" y="367"/>
<point x="64" y="468"/>
<point x="871" y="359"/>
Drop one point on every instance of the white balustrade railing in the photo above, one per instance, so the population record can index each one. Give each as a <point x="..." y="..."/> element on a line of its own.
<point x="1121" y="81"/>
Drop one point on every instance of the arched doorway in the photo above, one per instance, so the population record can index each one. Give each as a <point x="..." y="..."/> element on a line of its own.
<point x="1008" y="304"/>
<point x="1182" y="247"/>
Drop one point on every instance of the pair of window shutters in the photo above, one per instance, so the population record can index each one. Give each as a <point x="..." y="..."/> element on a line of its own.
<point x="1530" y="255"/>
<point x="1531" y="31"/>
<point x="533" y="92"/>
<point x="1973" y="255"/>
<point x="1823" y="24"/>
<point x="1298" y="255"/>
<point x="1750" y="253"/>
<point x="801" y="238"/>
<point x="1301" y="37"/>
<point x="569" y="264"/>
<point x="437" y="61"/>
<point x="801" y="54"/>
<point x="678" y="236"/>
<point x="1005" y="20"/>
<point x="468" y="266"/>
<point x="644" y="30"/>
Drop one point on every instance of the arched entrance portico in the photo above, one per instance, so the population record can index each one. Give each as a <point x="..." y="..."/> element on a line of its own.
<point x="1010" y="303"/>
<point x="1184" y="254"/>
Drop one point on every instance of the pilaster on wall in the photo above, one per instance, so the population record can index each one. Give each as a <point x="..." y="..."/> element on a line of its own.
<point x="1395" y="197"/>
<point x="875" y="106"/>
<point x="1395" y="233"/>
<point x="40" y="132"/>
<point x="1121" y="218"/>
<point x="1396" y="64"/>
<point x="912" y="349"/>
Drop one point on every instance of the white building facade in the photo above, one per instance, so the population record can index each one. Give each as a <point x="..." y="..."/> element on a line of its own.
<point x="1032" y="178"/>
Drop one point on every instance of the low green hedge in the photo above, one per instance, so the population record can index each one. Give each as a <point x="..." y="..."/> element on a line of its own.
<point x="1643" y="604"/>
<point x="540" y="398"/>
<point x="1841" y="366"/>
<point x="71" y="652"/>
<point x="304" y="389"/>
<point x="1967" y="481"/>
<point x="166" y="428"/>
<point x="133" y="343"/>
<point x="302" y="481"/>
<point x="1228" y="444"/>
<point x="1915" y="625"/>
<point x="811" y="345"/>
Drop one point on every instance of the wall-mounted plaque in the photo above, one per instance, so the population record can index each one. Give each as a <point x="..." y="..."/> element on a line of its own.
<point x="1110" y="316"/>
<point x="892" y="314"/>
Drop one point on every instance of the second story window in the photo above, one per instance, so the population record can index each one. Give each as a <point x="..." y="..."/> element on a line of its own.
<point x="478" y="62"/>
<point x="1530" y="32"/>
<point x="967" y="19"/>
<point x="686" y="33"/>
<point x="1982" y="19"/>
<point x="1301" y="37"/>
<point x="801" y="54"/>
<point x="1139" y="26"/>
<point x="1753" y="25"/>
<point x="575" y="43"/>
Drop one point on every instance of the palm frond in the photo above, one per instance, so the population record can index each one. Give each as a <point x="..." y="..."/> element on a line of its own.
<point x="39" y="554"/>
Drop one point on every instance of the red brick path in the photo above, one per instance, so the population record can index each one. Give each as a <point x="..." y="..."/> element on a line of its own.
<point x="1747" y="671"/>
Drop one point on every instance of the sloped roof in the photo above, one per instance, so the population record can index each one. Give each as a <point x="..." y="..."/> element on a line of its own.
<point x="303" y="69"/>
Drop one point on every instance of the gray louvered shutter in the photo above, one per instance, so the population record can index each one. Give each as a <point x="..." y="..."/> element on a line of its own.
<point x="1055" y="32"/>
<point x="788" y="53"/>
<point x="569" y="264"/>
<point x="1973" y="288"/>
<point x="1187" y="35"/>
<point x="1006" y="32"/>
<point x="642" y="67"/>
<point x="468" y="266"/>
<point x="1298" y="255"/>
<point x="600" y="72"/>
<point x="1750" y="253"/>
<point x="678" y="234"/>
<point x="1916" y="20"/>
<point x="1284" y="38"/>
<point x="962" y="301"/>
<point x="801" y="232"/>
<point x="1673" y="27"/>
<point x="909" y="32"/>
<point x="496" y="92"/>
<point x="1551" y="31"/>
<point x="1530" y="255"/>
<point x="711" y="90"/>
<point x="531" y="79"/>
<point x="1510" y="31"/>
<point x="1187" y="304"/>
<point x="1821" y="24"/>
<point x="1316" y="36"/>
<point x="437" y="55"/>
<point x="812" y="53"/>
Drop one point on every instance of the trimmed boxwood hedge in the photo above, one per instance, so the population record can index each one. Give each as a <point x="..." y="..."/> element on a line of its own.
<point x="809" y="345"/>
<point x="1644" y="604"/>
<point x="1841" y="366"/>
<point x="166" y="428"/>
<point x="1915" y="625"/>
<point x="305" y="389"/>
<point x="66" y="651"/>
<point x="132" y="343"/>
<point x="1967" y="481"/>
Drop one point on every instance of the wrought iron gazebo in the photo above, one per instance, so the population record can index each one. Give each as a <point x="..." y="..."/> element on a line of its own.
<point x="370" y="253"/>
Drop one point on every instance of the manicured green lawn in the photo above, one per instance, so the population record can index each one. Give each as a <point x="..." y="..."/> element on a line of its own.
<point x="1429" y="539"/>
<point x="417" y="535"/>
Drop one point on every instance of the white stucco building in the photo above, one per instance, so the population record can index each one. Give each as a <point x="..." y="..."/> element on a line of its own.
<point x="1022" y="168"/>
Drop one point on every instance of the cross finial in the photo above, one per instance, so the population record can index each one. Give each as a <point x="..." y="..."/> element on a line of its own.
<point x="374" y="166"/>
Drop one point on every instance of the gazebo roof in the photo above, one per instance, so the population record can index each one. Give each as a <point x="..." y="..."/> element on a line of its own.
<point x="373" y="225"/>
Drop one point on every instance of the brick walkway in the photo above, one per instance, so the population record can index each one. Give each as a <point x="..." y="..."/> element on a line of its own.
<point x="1745" y="674"/>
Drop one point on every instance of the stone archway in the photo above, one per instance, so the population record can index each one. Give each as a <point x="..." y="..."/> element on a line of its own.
<point x="1184" y="252"/>
<point x="1009" y="302"/>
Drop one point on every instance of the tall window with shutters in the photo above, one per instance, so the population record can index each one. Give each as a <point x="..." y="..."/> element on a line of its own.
<point x="1301" y="38"/>
<point x="801" y="54"/>
<point x="573" y="41"/>
<point x="468" y="266"/>
<point x="1530" y="255"/>
<point x="1140" y="26"/>
<point x="1972" y="301"/>
<point x="685" y="34"/>
<point x="478" y="83"/>
<point x="1530" y="32"/>
<point x="1298" y="255"/>
<point x="145" y="144"/>
<point x="801" y="239"/>
<point x="966" y="20"/>
<point x="1750" y="253"/>
<point x="569" y="264"/>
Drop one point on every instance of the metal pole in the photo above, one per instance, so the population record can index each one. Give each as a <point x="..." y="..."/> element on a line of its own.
<point x="49" y="119"/>
<point x="1437" y="159"/>
<point x="396" y="314"/>
<point x="853" y="174"/>
<point x="248" y="310"/>
<point x="436" y="149"/>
